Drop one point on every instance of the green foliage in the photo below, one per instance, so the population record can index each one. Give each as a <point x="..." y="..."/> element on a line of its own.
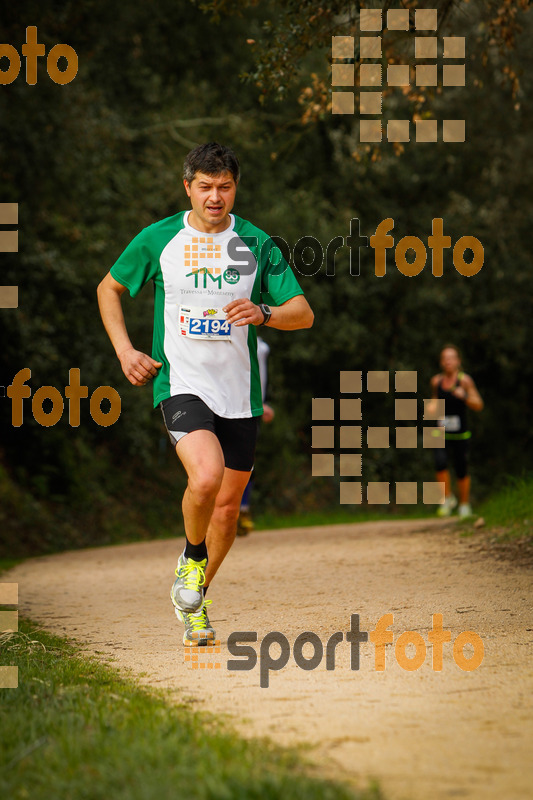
<point x="92" y="162"/>
<point x="510" y="510"/>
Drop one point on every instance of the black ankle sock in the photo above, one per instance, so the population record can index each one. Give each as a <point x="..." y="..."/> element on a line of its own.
<point x="196" y="551"/>
<point x="205" y="590"/>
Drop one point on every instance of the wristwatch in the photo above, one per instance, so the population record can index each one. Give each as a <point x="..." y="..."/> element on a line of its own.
<point x="266" y="311"/>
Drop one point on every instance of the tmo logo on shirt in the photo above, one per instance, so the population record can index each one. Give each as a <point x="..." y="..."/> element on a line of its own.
<point x="201" y="275"/>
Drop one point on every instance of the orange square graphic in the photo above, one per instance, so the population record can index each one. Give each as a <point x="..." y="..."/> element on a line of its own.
<point x="425" y="47"/>
<point x="342" y="103"/>
<point x="377" y="492"/>
<point x="323" y="408"/>
<point x="370" y="130"/>
<point x="406" y="380"/>
<point x="350" y="409"/>
<point x="342" y="75"/>
<point x="351" y="381"/>
<point x="426" y="19"/>
<point x="426" y="74"/>
<point x="9" y="593"/>
<point x="370" y="102"/>
<point x="322" y="465"/>
<point x="342" y="46"/>
<point x="9" y="213"/>
<point x="405" y="408"/>
<point x="377" y="380"/>
<point x="406" y="438"/>
<point x="351" y="465"/>
<point x="351" y="492"/>
<point x="438" y="413"/>
<point x="398" y="130"/>
<point x="406" y="492"/>
<point x="433" y="437"/>
<point x="454" y="46"/>
<point x="426" y="130"/>
<point x="323" y="436"/>
<point x="432" y="492"/>
<point x="398" y="19"/>
<point x="351" y="436"/>
<point x="453" y="130"/>
<point x="370" y="47"/>
<point x="370" y="75"/>
<point x="453" y="75"/>
<point x="9" y="296"/>
<point x="370" y="19"/>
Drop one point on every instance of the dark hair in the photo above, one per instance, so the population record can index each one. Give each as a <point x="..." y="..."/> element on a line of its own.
<point x="451" y="346"/>
<point x="211" y="159"/>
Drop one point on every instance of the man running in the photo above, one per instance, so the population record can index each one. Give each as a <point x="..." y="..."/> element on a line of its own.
<point x="459" y="393"/>
<point x="216" y="278"/>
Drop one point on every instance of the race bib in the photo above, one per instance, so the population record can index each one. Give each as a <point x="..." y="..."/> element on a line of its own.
<point x="198" y="322"/>
<point x="452" y="423"/>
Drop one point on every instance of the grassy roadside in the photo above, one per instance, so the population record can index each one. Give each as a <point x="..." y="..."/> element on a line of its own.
<point x="510" y="511"/>
<point x="76" y="729"/>
<point x="339" y="516"/>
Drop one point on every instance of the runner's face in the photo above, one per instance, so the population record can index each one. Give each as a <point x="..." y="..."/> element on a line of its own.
<point x="449" y="360"/>
<point x="212" y="198"/>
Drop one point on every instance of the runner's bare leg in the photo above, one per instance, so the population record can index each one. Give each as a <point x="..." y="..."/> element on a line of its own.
<point x="202" y="457"/>
<point x="223" y="525"/>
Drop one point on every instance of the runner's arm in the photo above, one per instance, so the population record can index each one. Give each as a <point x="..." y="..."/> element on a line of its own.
<point x="138" y="367"/>
<point x="471" y="397"/>
<point x="431" y="409"/>
<point x="292" y="315"/>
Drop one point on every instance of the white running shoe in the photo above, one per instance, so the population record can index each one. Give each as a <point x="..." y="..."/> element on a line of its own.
<point x="447" y="506"/>
<point x="465" y="510"/>
<point x="198" y="629"/>
<point x="186" y="593"/>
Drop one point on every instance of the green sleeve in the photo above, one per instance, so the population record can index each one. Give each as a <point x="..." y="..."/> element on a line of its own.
<point x="278" y="283"/>
<point x="137" y="265"/>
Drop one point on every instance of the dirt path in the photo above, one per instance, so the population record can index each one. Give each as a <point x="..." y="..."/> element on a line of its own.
<point x="423" y="734"/>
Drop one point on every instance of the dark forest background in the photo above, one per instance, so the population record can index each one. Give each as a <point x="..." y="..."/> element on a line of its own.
<point x="92" y="162"/>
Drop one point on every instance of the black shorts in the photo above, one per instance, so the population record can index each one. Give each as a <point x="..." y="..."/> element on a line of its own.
<point x="456" y="450"/>
<point x="185" y="413"/>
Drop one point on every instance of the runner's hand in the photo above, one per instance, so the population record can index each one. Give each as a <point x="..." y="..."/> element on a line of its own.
<point x="139" y="368"/>
<point x="243" y="312"/>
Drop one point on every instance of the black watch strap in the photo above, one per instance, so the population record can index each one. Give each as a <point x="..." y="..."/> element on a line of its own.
<point x="266" y="311"/>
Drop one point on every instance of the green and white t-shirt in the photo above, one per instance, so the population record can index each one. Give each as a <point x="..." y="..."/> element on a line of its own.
<point x="195" y="274"/>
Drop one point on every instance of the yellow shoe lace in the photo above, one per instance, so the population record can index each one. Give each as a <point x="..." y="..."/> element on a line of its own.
<point x="186" y="571"/>
<point x="198" y="621"/>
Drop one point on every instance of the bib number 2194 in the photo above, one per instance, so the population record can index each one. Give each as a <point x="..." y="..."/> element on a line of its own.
<point x="204" y="323"/>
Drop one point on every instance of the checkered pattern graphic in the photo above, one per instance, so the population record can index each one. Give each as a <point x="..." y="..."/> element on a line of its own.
<point x="351" y="435"/>
<point x="203" y="657"/>
<point x="9" y="243"/>
<point x="9" y="624"/>
<point x="200" y="255"/>
<point x="373" y="76"/>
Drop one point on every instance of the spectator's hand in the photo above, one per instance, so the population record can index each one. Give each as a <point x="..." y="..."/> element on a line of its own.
<point x="268" y="413"/>
<point x="139" y="368"/>
<point x="243" y="312"/>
